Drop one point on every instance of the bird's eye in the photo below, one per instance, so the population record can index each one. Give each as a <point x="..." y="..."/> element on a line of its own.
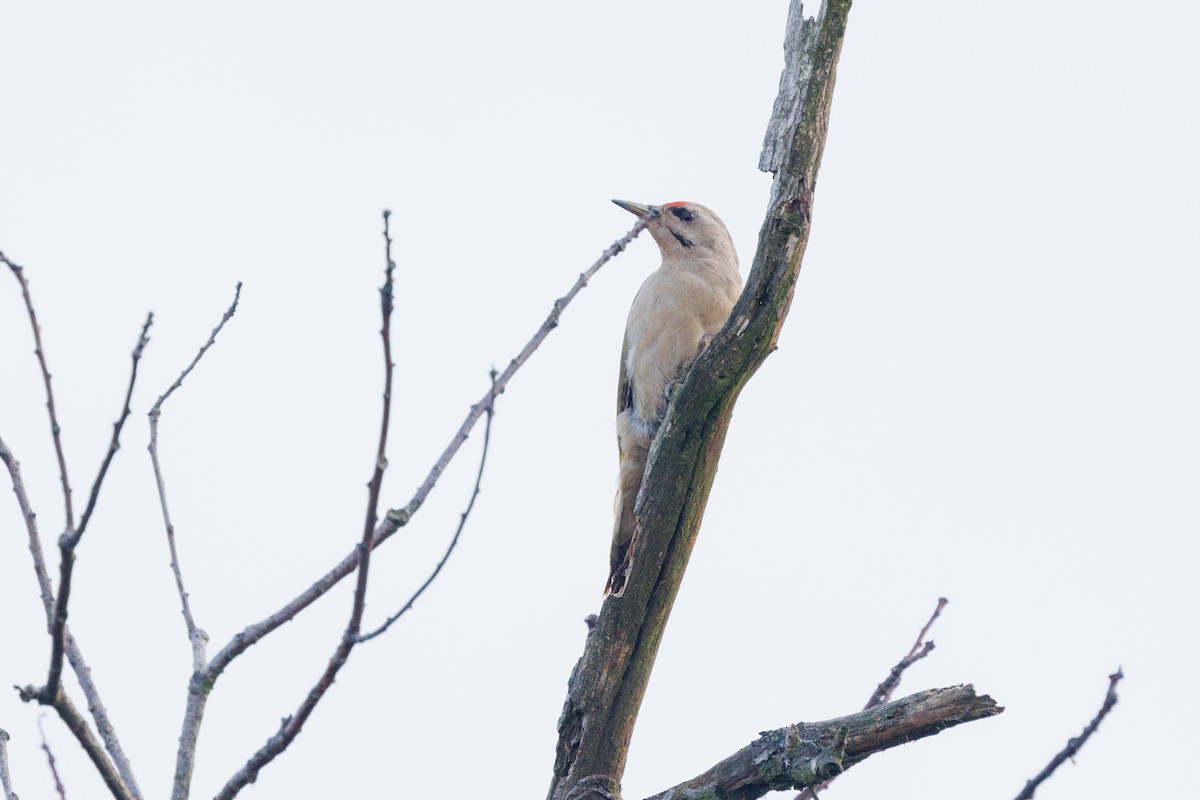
<point x="683" y="214"/>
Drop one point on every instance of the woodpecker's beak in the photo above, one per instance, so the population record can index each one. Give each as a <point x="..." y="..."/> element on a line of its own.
<point x="633" y="208"/>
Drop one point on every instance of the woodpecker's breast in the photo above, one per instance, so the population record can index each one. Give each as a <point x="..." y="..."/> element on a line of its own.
<point x="671" y="314"/>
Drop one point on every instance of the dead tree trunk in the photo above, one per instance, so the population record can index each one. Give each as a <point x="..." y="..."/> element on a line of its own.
<point x="609" y="681"/>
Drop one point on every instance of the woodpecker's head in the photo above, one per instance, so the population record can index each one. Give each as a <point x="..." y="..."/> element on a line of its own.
<point x="687" y="231"/>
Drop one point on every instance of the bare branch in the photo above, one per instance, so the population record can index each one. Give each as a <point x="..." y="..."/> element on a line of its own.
<point x="19" y="273"/>
<point x="35" y="541"/>
<point x="919" y="650"/>
<point x="156" y="410"/>
<point x="1074" y="745"/>
<point x="403" y="515"/>
<point x="70" y="538"/>
<point x="104" y="726"/>
<point x="883" y="693"/>
<point x="386" y="303"/>
<point x="808" y="753"/>
<point x="74" y="656"/>
<point x="115" y="444"/>
<point x="5" y="777"/>
<point x="197" y="693"/>
<point x="398" y="518"/>
<point x="83" y="734"/>
<point x="62" y="793"/>
<point x="196" y="636"/>
<point x="487" y="435"/>
<point x="292" y="725"/>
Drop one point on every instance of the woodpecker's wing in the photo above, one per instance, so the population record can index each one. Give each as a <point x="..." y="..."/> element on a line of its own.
<point x="624" y="384"/>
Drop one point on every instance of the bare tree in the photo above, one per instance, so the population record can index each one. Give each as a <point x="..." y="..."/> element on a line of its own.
<point x="609" y="682"/>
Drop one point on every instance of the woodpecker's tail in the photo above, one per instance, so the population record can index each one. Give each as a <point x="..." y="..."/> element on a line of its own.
<point x="633" y="440"/>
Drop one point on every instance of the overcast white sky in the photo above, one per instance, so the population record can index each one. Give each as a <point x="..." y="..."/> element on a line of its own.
<point x="986" y="388"/>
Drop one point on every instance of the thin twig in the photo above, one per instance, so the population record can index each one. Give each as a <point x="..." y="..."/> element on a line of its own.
<point x="1074" y="745"/>
<point x="487" y="435"/>
<point x="35" y="541"/>
<point x="5" y="777"/>
<point x="883" y="692"/>
<point x="62" y="793"/>
<point x="19" y="273"/>
<point x="397" y="518"/>
<point x="115" y="444"/>
<point x="196" y="636"/>
<point x="212" y="338"/>
<point x="403" y="515"/>
<point x="292" y="725"/>
<point x="920" y="649"/>
<point x="70" y="538"/>
<point x="197" y="693"/>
